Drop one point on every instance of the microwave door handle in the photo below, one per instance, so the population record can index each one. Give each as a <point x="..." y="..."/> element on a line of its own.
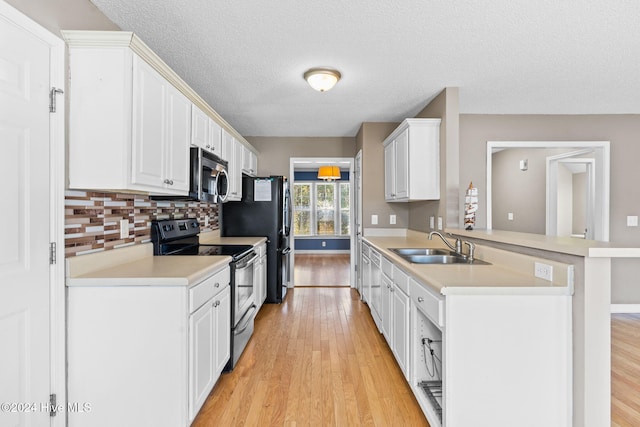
<point x="222" y="197"/>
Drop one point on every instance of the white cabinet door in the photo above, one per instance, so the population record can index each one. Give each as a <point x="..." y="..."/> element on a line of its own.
<point x="199" y="127"/>
<point x="161" y="120"/>
<point x="214" y="140"/>
<point x="249" y="161"/>
<point x="178" y="134"/>
<point x="390" y="171"/>
<point x="149" y="109"/>
<point x="400" y="325"/>
<point x="263" y="279"/>
<point x="221" y="330"/>
<point x="232" y="150"/>
<point x="201" y="356"/>
<point x="376" y="288"/>
<point x="386" y="309"/>
<point x="402" y="165"/>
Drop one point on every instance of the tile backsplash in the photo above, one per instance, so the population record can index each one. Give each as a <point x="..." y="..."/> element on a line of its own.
<point x="92" y="219"/>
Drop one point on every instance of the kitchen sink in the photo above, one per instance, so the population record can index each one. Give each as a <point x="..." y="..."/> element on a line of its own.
<point x="421" y="251"/>
<point x="435" y="256"/>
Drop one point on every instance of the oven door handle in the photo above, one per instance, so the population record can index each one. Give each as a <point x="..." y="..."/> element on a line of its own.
<point x="246" y="262"/>
<point x="248" y="315"/>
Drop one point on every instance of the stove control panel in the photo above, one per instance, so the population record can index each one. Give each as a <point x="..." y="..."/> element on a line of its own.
<point x="171" y="229"/>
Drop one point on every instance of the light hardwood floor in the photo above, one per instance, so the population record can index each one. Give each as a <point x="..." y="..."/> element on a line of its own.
<point x="314" y="360"/>
<point x="322" y="270"/>
<point x="625" y="370"/>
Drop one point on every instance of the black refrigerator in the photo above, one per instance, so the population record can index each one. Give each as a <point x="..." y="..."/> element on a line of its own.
<point x="264" y="211"/>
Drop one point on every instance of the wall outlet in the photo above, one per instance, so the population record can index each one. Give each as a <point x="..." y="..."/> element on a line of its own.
<point x="510" y="216"/>
<point x="632" y="221"/>
<point x="543" y="271"/>
<point x="392" y="219"/>
<point x="124" y="228"/>
<point x="374" y="219"/>
<point x="206" y="220"/>
<point x="439" y="223"/>
<point x="432" y="222"/>
<point x="324" y="244"/>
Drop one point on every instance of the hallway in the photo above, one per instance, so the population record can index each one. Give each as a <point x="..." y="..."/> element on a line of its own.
<point x="316" y="359"/>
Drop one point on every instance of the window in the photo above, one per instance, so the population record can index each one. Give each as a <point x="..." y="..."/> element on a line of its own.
<point x="302" y="209"/>
<point x="321" y="208"/>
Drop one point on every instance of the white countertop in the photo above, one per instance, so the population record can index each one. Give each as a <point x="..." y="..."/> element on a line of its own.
<point x="137" y="266"/>
<point x="565" y="245"/>
<point x="503" y="276"/>
<point x="154" y="271"/>
<point x="213" y="238"/>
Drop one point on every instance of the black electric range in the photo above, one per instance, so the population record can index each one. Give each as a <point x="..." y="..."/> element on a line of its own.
<point x="181" y="237"/>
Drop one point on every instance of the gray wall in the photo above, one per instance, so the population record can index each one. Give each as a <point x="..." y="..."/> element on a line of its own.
<point x="56" y="15"/>
<point x="624" y="133"/>
<point x="369" y="139"/>
<point x="275" y="152"/>
<point x="445" y="106"/>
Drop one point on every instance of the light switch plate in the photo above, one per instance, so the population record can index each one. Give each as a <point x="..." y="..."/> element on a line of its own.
<point x="632" y="221"/>
<point x="392" y="219"/>
<point x="510" y="216"/>
<point x="206" y="220"/>
<point x="432" y="222"/>
<point x="439" y="223"/>
<point x="374" y="219"/>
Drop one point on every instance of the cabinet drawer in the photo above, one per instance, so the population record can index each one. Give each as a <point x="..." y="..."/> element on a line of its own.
<point x="426" y="302"/>
<point x="375" y="258"/>
<point x="365" y="250"/>
<point x="387" y="268"/>
<point x="401" y="279"/>
<point x="208" y="288"/>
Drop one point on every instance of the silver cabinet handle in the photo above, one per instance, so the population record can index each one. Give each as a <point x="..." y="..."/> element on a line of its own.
<point x="217" y="303"/>
<point x="420" y="299"/>
<point x="168" y="181"/>
<point x="217" y="285"/>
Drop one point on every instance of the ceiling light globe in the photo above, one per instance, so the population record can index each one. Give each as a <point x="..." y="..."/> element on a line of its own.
<point x="322" y="79"/>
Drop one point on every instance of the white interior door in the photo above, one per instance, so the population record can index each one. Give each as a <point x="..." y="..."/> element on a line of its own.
<point x="25" y="358"/>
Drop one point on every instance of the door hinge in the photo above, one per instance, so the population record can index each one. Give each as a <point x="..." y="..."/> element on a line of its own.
<point x="52" y="98"/>
<point x="52" y="253"/>
<point x="52" y="405"/>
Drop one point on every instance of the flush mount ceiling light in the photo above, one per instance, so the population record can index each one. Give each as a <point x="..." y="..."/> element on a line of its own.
<point x="322" y="79"/>
<point x="329" y="173"/>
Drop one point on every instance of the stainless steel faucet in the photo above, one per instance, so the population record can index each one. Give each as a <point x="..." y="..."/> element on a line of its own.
<point x="458" y="245"/>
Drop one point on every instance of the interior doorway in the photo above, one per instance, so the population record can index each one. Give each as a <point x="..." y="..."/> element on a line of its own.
<point x="323" y="221"/>
<point x="571" y="196"/>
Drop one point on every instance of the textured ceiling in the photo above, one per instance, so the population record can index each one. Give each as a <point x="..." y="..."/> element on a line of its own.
<point x="246" y="58"/>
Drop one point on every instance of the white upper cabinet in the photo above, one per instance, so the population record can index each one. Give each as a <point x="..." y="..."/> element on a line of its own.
<point x="232" y="153"/>
<point x="412" y="161"/>
<point x="205" y="132"/>
<point x="160" y="153"/>
<point x="249" y="161"/>
<point x="132" y="119"/>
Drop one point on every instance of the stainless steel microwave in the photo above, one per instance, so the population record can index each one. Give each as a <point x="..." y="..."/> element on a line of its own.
<point x="208" y="178"/>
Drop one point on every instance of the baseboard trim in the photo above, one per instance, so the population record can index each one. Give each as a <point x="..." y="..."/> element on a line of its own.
<point x="625" y="308"/>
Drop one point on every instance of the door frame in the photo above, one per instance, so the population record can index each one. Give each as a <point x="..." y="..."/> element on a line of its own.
<point x="594" y="224"/>
<point x="352" y="235"/>
<point x="57" y="291"/>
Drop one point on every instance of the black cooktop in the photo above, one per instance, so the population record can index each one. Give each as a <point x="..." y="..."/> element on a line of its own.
<point x="234" y="251"/>
<point x="180" y="237"/>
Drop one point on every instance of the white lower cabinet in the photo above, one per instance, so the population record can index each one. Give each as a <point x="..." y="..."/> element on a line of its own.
<point x="146" y="355"/>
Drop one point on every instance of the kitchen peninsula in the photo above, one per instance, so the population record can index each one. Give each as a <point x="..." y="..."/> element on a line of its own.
<point x="525" y="345"/>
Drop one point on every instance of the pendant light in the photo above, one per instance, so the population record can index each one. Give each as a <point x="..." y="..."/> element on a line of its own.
<point x="329" y="173"/>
